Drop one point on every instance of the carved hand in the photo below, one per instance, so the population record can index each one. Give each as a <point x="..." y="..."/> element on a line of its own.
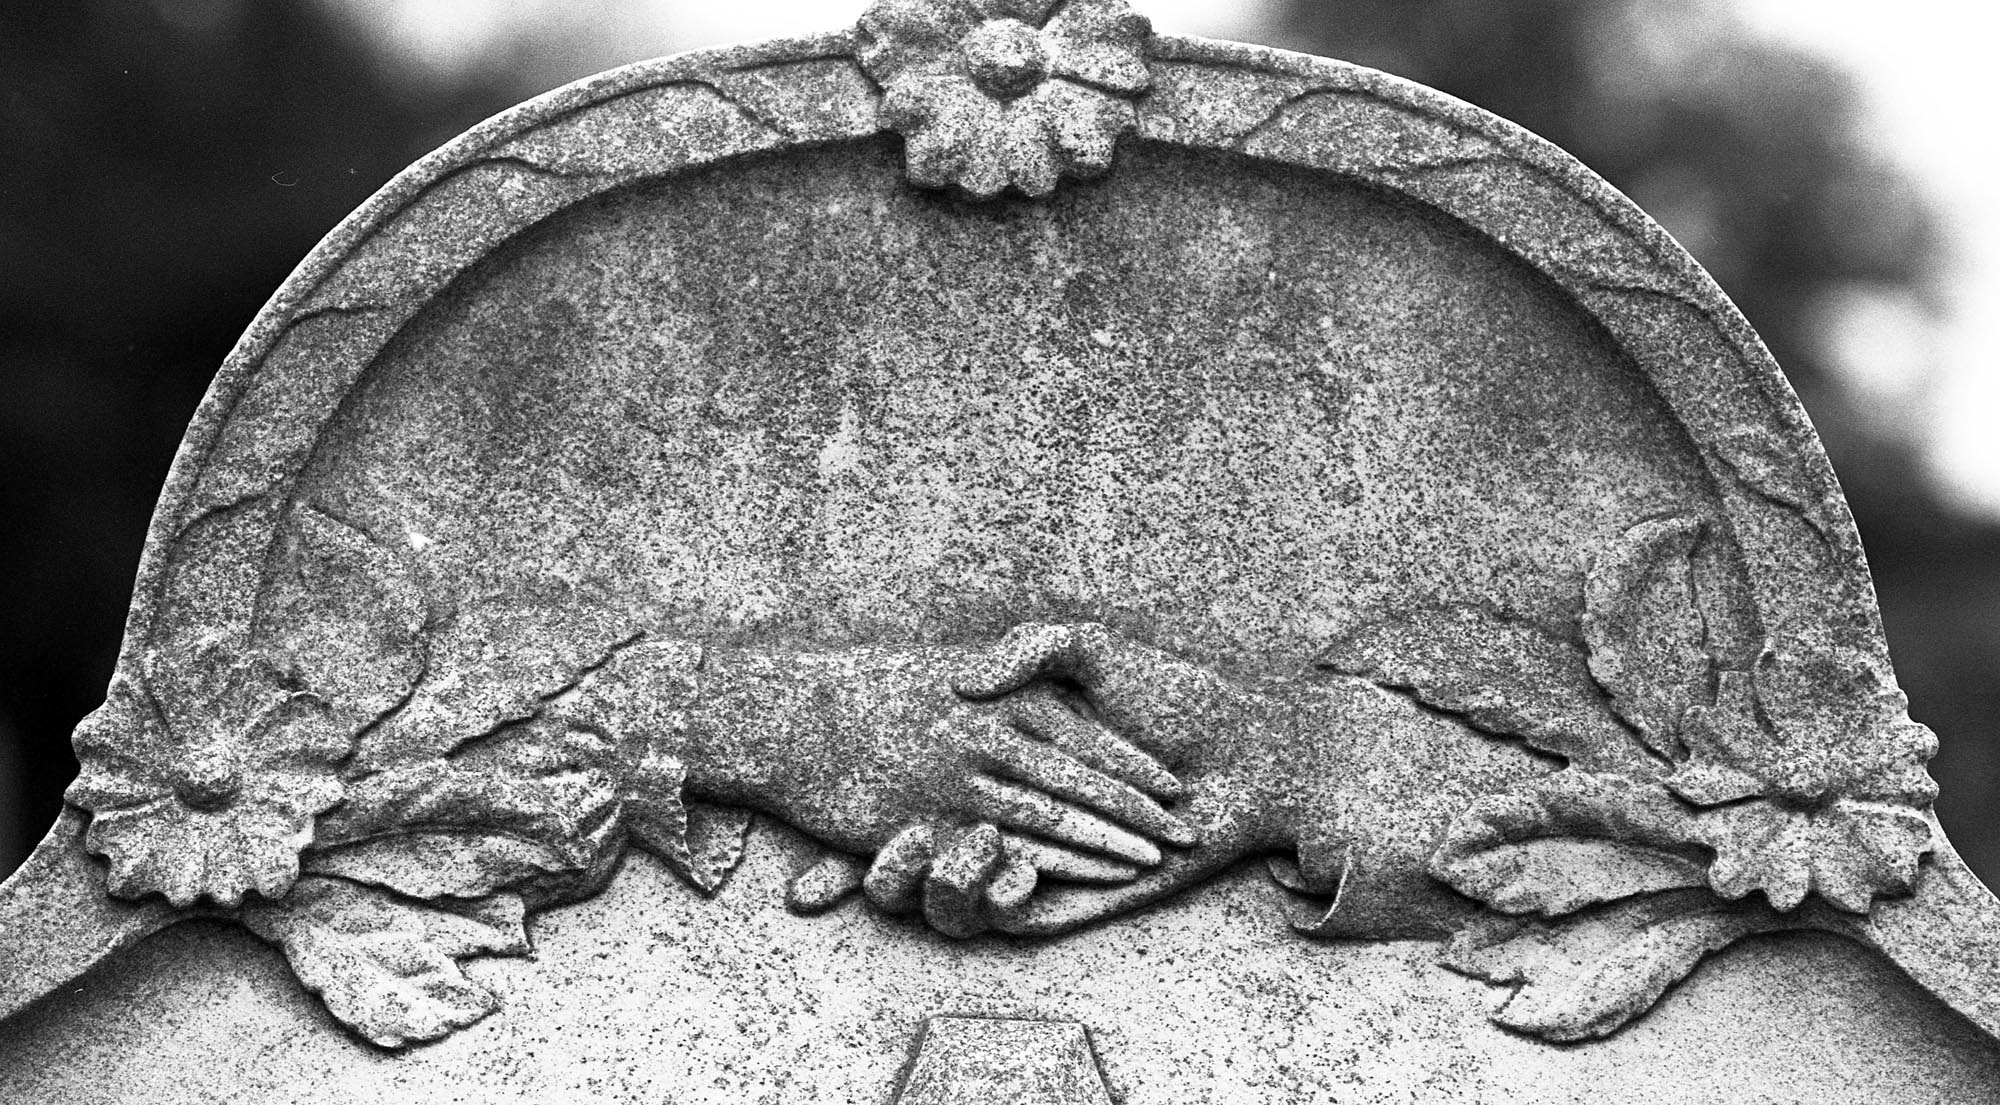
<point x="1052" y="799"/>
<point x="1233" y="746"/>
<point x="964" y="805"/>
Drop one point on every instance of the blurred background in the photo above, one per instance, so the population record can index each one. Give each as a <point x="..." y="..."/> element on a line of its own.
<point x="164" y="164"/>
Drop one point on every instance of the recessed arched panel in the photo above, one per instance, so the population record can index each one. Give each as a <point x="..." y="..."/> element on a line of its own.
<point x="1238" y="409"/>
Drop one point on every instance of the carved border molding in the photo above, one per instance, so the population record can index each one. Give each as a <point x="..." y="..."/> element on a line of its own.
<point x="986" y="116"/>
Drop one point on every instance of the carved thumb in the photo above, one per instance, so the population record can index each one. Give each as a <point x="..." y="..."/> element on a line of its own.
<point x="1029" y="652"/>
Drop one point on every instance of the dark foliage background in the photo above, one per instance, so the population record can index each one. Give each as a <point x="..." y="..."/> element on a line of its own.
<point x="159" y="176"/>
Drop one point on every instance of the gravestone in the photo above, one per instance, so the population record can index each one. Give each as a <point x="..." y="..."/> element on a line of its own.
<point x="996" y="556"/>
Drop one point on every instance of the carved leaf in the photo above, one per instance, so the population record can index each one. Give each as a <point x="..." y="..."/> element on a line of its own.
<point x="1729" y="751"/>
<point x="386" y="965"/>
<point x="1501" y="675"/>
<point x="441" y="864"/>
<point x="1556" y="876"/>
<point x="1589" y="976"/>
<point x="211" y="582"/>
<point x="1767" y="466"/>
<point x="1570" y="840"/>
<point x="566" y="811"/>
<point x="1643" y="622"/>
<point x="499" y="662"/>
<point x="343" y="615"/>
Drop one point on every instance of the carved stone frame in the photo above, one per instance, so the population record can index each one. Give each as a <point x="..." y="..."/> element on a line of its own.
<point x="298" y="361"/>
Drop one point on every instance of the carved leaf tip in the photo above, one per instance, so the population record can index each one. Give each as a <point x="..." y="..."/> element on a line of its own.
<point x="1645" y="630"/>
<point x="387" y="966"/>
<point x="1587" y="976"/>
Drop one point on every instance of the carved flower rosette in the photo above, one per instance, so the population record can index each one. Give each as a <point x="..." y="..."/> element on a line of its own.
<point x="993" y="94"/>
<point x="377" y="812"/>
<point x="223" y="740"/>
<point x="206" y="781"/>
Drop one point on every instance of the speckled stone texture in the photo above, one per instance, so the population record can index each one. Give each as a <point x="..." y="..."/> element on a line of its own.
<point x="1246" y="578"/>
<point x="649" y="994"/>
<point x="1234" y="408"/>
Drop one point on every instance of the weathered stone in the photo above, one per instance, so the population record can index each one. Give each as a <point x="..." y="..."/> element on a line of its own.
<point x="775" y="462"/>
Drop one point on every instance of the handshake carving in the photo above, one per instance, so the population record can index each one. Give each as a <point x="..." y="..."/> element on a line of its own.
<point x="1028" y="786"/>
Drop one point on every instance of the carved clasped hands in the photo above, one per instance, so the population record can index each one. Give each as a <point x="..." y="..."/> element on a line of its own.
<point x="1232" y="740"/>
<point x="1026" y="796"/>
<point x="964" y="805"/>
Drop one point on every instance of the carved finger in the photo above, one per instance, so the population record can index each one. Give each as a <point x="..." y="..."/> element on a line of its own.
<point x="823" y="885"/>
<point x="1049" y="770"/>
<point x="1059" y="909"/>
<point x="1058" y="862"/>
<point x="896" y="876"/>
<point x="955" y="892"/>
<point x="1046" y="717"/>
<point x="1015" y="807"/>
<point x="1025" y="654"/>
<point x="1154" y="699"/>
<point x="1014" y="880"/>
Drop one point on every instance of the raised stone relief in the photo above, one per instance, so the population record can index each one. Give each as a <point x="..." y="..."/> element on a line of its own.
<point x="1007" y="93"/>
<point x="450" y="801"/>
<point x="756" y="461"/>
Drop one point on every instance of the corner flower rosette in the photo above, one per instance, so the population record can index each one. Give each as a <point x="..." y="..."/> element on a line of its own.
<point x="1810" y="775"/>
<point x="993" y="94"/>
<point x="210" y="793"/>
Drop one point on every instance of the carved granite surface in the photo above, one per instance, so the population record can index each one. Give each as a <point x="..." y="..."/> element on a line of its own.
<point x="649" y="993"/>
<point x="1007" y="92"/>
<point x="1005" y="477"/>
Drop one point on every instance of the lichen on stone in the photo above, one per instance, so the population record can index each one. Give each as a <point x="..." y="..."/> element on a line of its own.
<point x="993" y="94"/>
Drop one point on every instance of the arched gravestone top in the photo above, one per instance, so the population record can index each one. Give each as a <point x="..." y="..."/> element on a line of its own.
<point x="972" y="497"/>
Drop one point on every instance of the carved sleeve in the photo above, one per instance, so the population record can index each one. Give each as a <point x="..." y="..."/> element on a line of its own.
<point x="640" y="700"/>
